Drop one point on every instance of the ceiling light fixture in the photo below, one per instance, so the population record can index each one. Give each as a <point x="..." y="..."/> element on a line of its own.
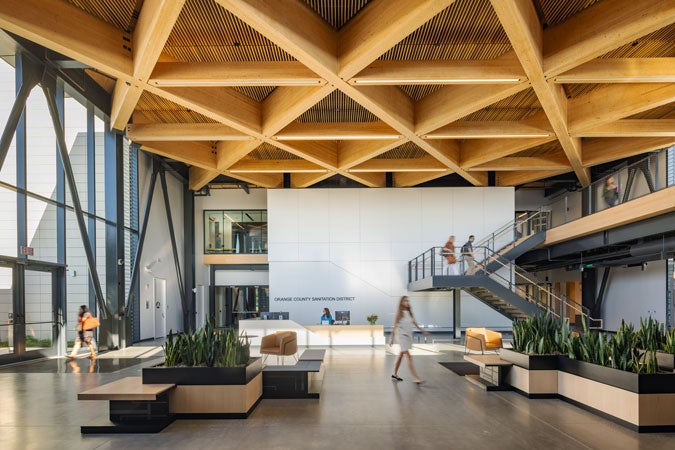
<point x="482" y="136"/>
<point x="336" y="137"/>
<point x="271" y="82"/>
<point x="435" y="80"/>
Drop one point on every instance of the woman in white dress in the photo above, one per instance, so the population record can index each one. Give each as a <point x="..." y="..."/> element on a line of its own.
<point x="403" y="325"/>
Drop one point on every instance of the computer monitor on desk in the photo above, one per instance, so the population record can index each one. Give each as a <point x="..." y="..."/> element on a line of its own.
<point x="274" y="315"/>
<point x="341" y="318"/>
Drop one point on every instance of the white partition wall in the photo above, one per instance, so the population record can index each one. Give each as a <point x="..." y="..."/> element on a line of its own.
<point x="348" y="249"/>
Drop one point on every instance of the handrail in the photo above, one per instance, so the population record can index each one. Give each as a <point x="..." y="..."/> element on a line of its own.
<point x="522" y="226"/>
<point x="532" y="280"/>
<point x="431" y="262"/>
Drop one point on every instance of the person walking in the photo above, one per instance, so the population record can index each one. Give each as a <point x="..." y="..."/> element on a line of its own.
<point x="86" y="336"/>
<point x="610" y="192"/>
<point x="403" y="326"/>
<point x="467" y="252"/>
<point x="449" y="253"/>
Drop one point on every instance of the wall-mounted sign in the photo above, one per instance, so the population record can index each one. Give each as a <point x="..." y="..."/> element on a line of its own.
<point x="314" y="299"/>
<point x="26" y="250"/>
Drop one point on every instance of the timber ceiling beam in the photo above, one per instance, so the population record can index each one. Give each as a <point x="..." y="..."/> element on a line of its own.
<point x="234" y="73"/>
<point x="276" y="166"/>
<point x="621" y="70"/>
<point x="557" y="162"/>
<point x="375" y="180"/>
<point x="600" y="29"/>
<point x="408" y="179"/>
<point x="66" y="29"/>
<point x="155" y="22"/>
<point x="525" y="176"/>
<point x="184" y="132"/>
<point x="441" y="72"/>
<point x="286" y="103"/>
<point x="298" y="31"/>
<point x="378" y="27"/>
<point x="602" y="150"/>
<point x="267" y="180"/>
<point x="521" y="23"/>
<point x="337" y="131"/>
<point x="198" y="177"/>
<point x="632" y="128"/>
<point x="229" y="152"/>
<point x="613" y="102"/>
<point x="304" y="180"/>
<point x="191" y="153"/>
<point x="425" y="164"/>
<point x="489" y="129"/>
<point x="352" y="153"/>
<point x="451" y="103"/>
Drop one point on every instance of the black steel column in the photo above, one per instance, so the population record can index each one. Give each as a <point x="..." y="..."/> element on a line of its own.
<point x="48" y="86"/>
<point x="26" y="79"/>
<point x="287" y="180"/>
<point x="59" y="308"/>
<point x="456" y="313"/>
<point x="589" y="285"/>
<point x="189" y="253"/>
<point x="141" y="239"/>
<point x="91" y="192"/>
<point x="23" y="71"/>
<point x="174" y="248"/>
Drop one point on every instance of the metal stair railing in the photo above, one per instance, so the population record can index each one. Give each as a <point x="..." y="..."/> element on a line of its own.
<point x="530" y="288"/>
<point x="524" y="225"/>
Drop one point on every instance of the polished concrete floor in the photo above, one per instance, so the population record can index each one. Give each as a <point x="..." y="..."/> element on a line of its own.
<point x="360" y="408"/>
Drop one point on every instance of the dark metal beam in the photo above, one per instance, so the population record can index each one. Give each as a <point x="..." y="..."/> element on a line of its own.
<point x="29" y="81"/>
<point x="189" y="252"/>
<point x="91" y="192"/>
<point x="456" y="313"/>
<point x="597" y="306"/>
<point x="141" y="239"/>
<point x="48" y="86"/>
<point x="174" y="248"/>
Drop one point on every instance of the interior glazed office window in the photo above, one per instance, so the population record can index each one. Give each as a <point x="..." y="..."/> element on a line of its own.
<point x="235" y="231"/>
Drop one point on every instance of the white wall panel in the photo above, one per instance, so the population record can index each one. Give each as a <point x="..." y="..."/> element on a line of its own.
<point x="373" y="233"/>
<point x="312" y="217"/>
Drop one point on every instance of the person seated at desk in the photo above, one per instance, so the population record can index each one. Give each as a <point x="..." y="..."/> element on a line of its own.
<point x="326" y="318"/>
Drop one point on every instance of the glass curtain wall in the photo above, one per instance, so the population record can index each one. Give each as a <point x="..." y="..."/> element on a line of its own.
<point x="235" y="231"/>
<point x="85" y="143"/>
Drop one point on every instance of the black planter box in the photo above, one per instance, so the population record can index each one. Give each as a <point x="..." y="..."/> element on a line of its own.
<point x="658" y="383"/>
<point x="530" y="362"/>
<point x="203" y="375"/>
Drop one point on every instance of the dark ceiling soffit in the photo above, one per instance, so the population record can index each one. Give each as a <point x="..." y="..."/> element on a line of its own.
<point x="82" y="87"/>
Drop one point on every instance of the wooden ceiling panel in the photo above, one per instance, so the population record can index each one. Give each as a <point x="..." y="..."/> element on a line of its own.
<point x="269" y="152"/>
<point x="577" y="90"/>
<point x="336" y="13"/>
<point x="257" y="93"/>
<point x="659" y="44"/>
<point x="409" y="150"/>
<point x="205" y="31"/>
<point x="161" y="110"/>
<point x="514" y="108"/>
<point x="662" y="112"/>
<point x="121" y="14"/>
<point x="337" y="107"/>
<point x="418" y="91"/>
<point x="554" y="12"/>
<point x="549" y="148"/>
<point x="467" y="29"/>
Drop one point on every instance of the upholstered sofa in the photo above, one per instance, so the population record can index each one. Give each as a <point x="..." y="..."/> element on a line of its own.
<point x="482" y="339"/>
<point x="281" y="343"/>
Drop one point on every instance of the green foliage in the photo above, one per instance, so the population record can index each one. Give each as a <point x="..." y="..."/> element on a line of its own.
<point x="627" y="349"/>
<point x="536" y="335"/>
<point x="372" y="319"/>
<point x="207" y="347"/>
<point x="651" y="334"/>
<point x="668" y="345"/>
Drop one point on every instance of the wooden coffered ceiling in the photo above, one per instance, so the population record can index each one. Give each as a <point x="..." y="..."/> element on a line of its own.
<point x="254" y="89"/>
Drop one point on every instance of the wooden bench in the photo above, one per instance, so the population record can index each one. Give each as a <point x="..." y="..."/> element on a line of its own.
<point x="491" y="372"/>
<point x="304" y="379"/>
<point x="134" y="407"/>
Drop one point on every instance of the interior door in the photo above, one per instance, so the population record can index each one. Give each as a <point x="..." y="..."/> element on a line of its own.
<point x="6" y="311"/>
<point x="159" y="290"/>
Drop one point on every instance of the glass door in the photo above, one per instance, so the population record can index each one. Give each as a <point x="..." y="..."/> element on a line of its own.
<point x="6" y="311"/>
<point x="234" y="303"/>
<point x="40" y="326"/>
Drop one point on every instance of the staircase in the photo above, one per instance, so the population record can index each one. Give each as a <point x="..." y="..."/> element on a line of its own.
<point x="496" y="280"/>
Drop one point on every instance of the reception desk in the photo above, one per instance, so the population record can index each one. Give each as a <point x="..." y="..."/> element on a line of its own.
<point x="317" y="335"/>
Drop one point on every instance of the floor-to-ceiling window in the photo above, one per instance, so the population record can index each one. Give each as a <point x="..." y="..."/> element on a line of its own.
<point x="41" y="245"/>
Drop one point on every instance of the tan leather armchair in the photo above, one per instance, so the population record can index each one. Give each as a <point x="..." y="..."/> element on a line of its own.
<point x="281" y="343"/>
<point x="482" y="339"/>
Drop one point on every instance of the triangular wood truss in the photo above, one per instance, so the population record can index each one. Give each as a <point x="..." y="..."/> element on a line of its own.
<point x="548" y="99"/>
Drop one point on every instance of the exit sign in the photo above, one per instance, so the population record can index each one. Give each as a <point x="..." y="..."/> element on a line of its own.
<point x="26" y="250"/>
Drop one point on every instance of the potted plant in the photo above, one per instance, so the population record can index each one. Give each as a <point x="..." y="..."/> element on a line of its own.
<point x="372" y="319"/>
<point x="213" y="373"/>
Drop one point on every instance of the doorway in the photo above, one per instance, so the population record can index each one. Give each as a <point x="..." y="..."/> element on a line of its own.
<point x="31" y="312"/>
<point x="159" y="297"/>
<point x="235" y="303"/>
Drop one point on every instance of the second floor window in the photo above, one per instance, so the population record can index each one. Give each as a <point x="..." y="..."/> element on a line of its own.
<point x="235" y="231"/>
